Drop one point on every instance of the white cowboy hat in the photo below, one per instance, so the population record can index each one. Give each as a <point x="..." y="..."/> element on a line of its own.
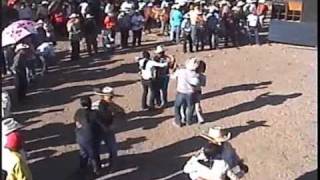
<point x="216" y="135"/>
<point x="150" y="4"/>
<point x="73" y="15"/>
<point x="175" y="6"/>
<point x="88" y="16"/>
<point x="106" y="91"/>
<point x="9" y="125"/>
<point x="202" y="2"/>
<point x="240" y="3"/>
<point x="44" y="2"/>
<point x="197" y="1"/>
<point x="21" y="46"/>
<point x="192" y="64"/>
<point x="261" y="1"/>
<point x="159" y="49"/>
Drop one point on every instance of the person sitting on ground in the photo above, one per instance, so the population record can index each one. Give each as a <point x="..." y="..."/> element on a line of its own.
<point x="206" y="165"/>
<point x="220" y="136"/>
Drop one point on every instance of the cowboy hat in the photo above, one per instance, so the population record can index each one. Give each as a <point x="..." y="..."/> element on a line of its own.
<point x="73" y="15"/>
<point x="240" y="3"/>
<point x="9" y="125"/>
<point x="175" y="6"/>
<point x="159" y="49"/>
<point x="261" y="1"/>
<point x="216" y="135"/>
<point x="105" y="91"/>
<point x="192" y="64"/>
<point x="44" y="2"/>
<point x="224" y="2"/>
<point x="88" y="16"/>
<point x="21" y="46"/>
<point x="197" y="1"/>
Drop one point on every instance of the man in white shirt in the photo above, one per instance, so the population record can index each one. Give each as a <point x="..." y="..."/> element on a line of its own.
<point x="84" y="8"/>
<point x="206" y="166"/>
<point x="137" y="22"/>
<point x="187" y="79"/>
<point x="253" y="20"/>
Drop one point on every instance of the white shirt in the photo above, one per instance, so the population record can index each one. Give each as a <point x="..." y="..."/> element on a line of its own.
<point x="83" y="7"/>
<point x="149" y="72"/>
<point x="218" y="171"/>
<point x="137" y="22"/>
<point x="252" y="20"/>
<point x="186" y="80"/>
<point x="25" y="13"/>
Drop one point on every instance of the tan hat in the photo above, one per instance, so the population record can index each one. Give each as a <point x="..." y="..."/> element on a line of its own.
<point x="159" y="49"/>
<point x="9" y="125"/>
<point x="21" y="46"/>
<point x="216" y="135"/>
<point x="106" y="91"/>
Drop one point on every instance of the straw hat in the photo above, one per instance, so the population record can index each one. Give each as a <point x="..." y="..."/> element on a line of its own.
<point x="216" y="135"/>
<point x="105" y="91"/>
<point x="21" y="46"/>
<point x="159" y="49"/>
<point x="192" y="64"/>
<point x="240" y="3"/>
<point x="73" y="15"/>
<point x="9" y="125"/>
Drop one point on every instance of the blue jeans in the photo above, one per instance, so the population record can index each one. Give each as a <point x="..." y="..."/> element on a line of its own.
<point x="253" y="31"/>
<point x="175" y="34"/>
<point x="109" y="139"/>
<point x="184" y="100"/>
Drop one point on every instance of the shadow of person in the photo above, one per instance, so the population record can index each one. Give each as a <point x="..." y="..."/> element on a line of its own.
<point x="311" y="175"/>
<point x="235" y="131"/>
<point x="260" y="101"/>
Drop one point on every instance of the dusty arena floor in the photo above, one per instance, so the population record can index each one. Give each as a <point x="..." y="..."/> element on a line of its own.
<point x="265" y="95"/>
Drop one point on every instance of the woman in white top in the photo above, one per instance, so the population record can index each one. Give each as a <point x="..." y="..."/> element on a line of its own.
<point x="148" y="75"/>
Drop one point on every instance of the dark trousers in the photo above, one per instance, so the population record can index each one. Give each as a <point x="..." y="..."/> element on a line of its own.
<point x="124" y="38"/>
<point x="75" y="50"/>
<point x="213" y="39"/>
<point x="200" y="38"/>
<point x="91" y="41"/>
<point x="146" y="86"/>
<point x="21" y="83"/>
<point x="162" y="90"/>
<point x="184" y="100"/>
<point x="109" y="139"/>
<point x="187" y="40"/>
<point x="137" y="37"/>
<point x="89" y="154"/>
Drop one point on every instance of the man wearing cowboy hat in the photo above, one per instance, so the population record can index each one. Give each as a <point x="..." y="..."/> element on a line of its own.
<point x="124" y="28"/>
<point x="162" y="74"/>
<point x="91" y="33"/>
<point x="19" y="69"/>
<point x="219" y="136"/>
<point x="137" y="21"/>
<point x="187" y="79"/>
<point x="73" y="27"/>
<point x="186" y="31"/>
<point x="206" y="165"/>
<point x="107" y="110"/>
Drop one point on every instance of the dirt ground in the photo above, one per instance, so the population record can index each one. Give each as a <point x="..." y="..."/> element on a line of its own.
<point x="265" y="95"/>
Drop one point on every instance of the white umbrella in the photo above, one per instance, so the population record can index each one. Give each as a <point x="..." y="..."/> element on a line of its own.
<point x="13" y="35"/>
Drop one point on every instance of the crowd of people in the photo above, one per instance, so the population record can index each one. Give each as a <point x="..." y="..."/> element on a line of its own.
<point x="194" y="24"/>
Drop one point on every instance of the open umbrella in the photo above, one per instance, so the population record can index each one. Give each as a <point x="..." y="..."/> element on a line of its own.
<point x="25" y="24"/>
<point x="12" y="36"/>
